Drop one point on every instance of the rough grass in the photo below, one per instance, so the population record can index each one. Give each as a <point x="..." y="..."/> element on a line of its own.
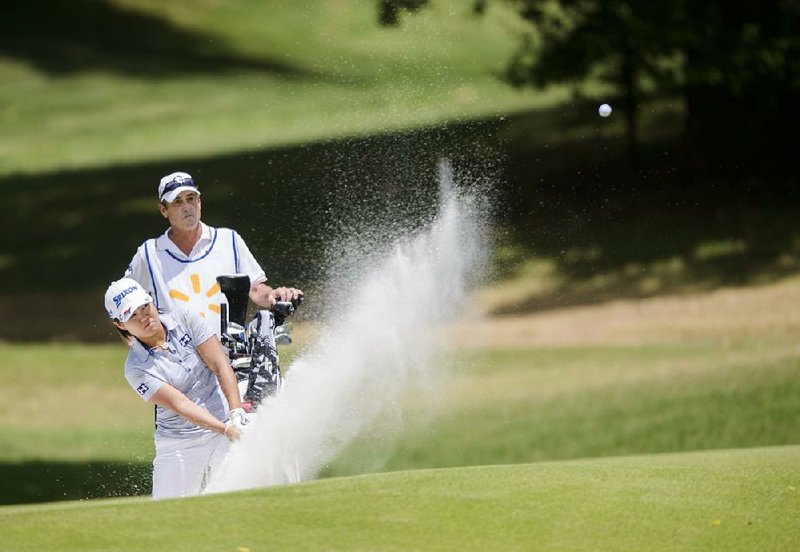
<point x="725" y="500"/>
<point x="630" y="377"/>
<point x="84" y="412"/>
<point x="84" y="408"/>
<point x="698" y="371"/>
<point x="554" y="411"/>
<point x="523" y="405"/>
<point x="237" y="76"/>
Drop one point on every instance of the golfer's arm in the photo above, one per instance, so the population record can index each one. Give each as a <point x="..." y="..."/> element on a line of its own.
<point x="169" y="397"/>
<point x="211" y="353"/>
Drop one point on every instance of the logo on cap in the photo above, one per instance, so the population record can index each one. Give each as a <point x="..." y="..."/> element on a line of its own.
<point x="174" y="181"/>
<point x="118" y="298"/>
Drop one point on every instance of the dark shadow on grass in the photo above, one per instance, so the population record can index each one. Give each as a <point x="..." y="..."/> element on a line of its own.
<point x="563" y="191"/>
<point x="697" y="277"/>
<point x="67" y="36"/>
<point x="40" y="481"/>
<point x="290" y="204"/>
<point x="612" y="232"/>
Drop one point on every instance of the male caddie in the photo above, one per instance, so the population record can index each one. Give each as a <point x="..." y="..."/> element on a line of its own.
<point x="180" y="267"/>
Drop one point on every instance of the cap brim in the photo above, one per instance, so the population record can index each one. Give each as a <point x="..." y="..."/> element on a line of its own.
<point x="133" y="302"/>
<point x="170" y="196"/>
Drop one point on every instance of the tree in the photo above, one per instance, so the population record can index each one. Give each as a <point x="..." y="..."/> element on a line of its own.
<point x="389" y="10"/>
<point x="735" y="63"/>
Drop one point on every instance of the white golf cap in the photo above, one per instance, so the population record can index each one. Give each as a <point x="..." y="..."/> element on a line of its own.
<point x="123" y="297"/>
<point x="175" y="183"/>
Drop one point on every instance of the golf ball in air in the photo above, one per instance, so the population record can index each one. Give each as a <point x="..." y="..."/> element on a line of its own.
<point x="604" y="110"/>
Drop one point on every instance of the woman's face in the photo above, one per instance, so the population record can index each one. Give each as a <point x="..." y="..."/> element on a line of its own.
<point x="143" y="323"/>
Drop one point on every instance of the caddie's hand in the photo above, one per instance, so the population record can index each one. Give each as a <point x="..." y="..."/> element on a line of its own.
<point x="285" y="294"/>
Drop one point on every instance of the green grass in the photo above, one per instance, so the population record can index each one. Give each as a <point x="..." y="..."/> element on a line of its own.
<point x="524" y="405"/>
<point x="501" y="406"/>
<point x="261" y="102"/>
<point x="236" y="92"/>
<point x="71" y="403"/>
<point x="70" y="426"/>
<point x="239" y="76"/>
<point x="725" y="500"/>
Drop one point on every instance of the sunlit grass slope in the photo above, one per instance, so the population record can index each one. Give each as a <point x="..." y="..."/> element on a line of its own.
<point x="725" y="500"/>
<point x="71" y="402"/>
<point x="706" y="371"/>
<point x="248" y="75"/>
<point x="647" y="381"/>
<point x="701" y="371"/>
<point x="501" y="405"/>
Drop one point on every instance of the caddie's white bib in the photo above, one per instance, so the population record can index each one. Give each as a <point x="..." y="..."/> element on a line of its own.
<point x="177" y="280"/>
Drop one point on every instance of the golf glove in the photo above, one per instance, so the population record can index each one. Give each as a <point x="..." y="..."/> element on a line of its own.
<point x="239" y="419"/>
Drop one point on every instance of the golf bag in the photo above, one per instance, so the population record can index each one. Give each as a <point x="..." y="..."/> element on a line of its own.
<point x="253" y="350"/>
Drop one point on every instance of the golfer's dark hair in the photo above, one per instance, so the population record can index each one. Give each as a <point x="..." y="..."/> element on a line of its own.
<point x="125" y="335"/>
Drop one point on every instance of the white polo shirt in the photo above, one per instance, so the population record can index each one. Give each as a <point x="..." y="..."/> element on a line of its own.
<point x="178" y="280"/>
<point x="147" y="370"/>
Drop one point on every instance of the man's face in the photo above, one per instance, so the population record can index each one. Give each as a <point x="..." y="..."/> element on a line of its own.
<point x="184" y="212"/>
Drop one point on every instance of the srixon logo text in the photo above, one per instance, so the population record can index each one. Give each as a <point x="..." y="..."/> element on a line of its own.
<point x="118" y="298"/>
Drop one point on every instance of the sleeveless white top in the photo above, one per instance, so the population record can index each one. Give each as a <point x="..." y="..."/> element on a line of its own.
<point x="176" y="280"/>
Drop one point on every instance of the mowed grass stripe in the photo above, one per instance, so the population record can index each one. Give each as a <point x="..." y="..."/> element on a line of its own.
<point x="548" y="404"/>
<point x="502" y="406"/>
<point x="346" y="76"/>
<point x="723" y="500"/>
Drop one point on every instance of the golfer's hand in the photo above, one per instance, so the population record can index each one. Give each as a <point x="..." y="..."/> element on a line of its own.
<point x="232" y="433"/>
<point x="235" y="426"/>
<point x="239" y="420"/>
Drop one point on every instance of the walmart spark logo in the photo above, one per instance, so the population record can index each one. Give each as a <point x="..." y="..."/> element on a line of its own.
<point x="196" y="289"/>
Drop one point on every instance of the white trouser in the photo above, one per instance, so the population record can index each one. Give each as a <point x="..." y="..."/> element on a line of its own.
<point x="183" y="467"/>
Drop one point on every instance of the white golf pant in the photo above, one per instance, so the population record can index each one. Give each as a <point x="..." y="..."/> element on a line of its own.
<point x="183" y="467"/>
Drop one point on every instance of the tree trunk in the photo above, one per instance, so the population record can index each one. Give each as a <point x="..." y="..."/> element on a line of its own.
<point x="388" y="13"/>
<point x="629" y="75"/>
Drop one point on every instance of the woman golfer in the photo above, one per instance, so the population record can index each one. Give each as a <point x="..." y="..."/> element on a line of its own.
<point x="176" y="362"/>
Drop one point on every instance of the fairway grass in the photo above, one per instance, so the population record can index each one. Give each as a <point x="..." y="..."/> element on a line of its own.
<point x="704" y="371"/>
<point x="84" y="408"/>
<point x="724" y="500"/>
<point x="726" y="377"/>
<point x="306" y="72"/>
